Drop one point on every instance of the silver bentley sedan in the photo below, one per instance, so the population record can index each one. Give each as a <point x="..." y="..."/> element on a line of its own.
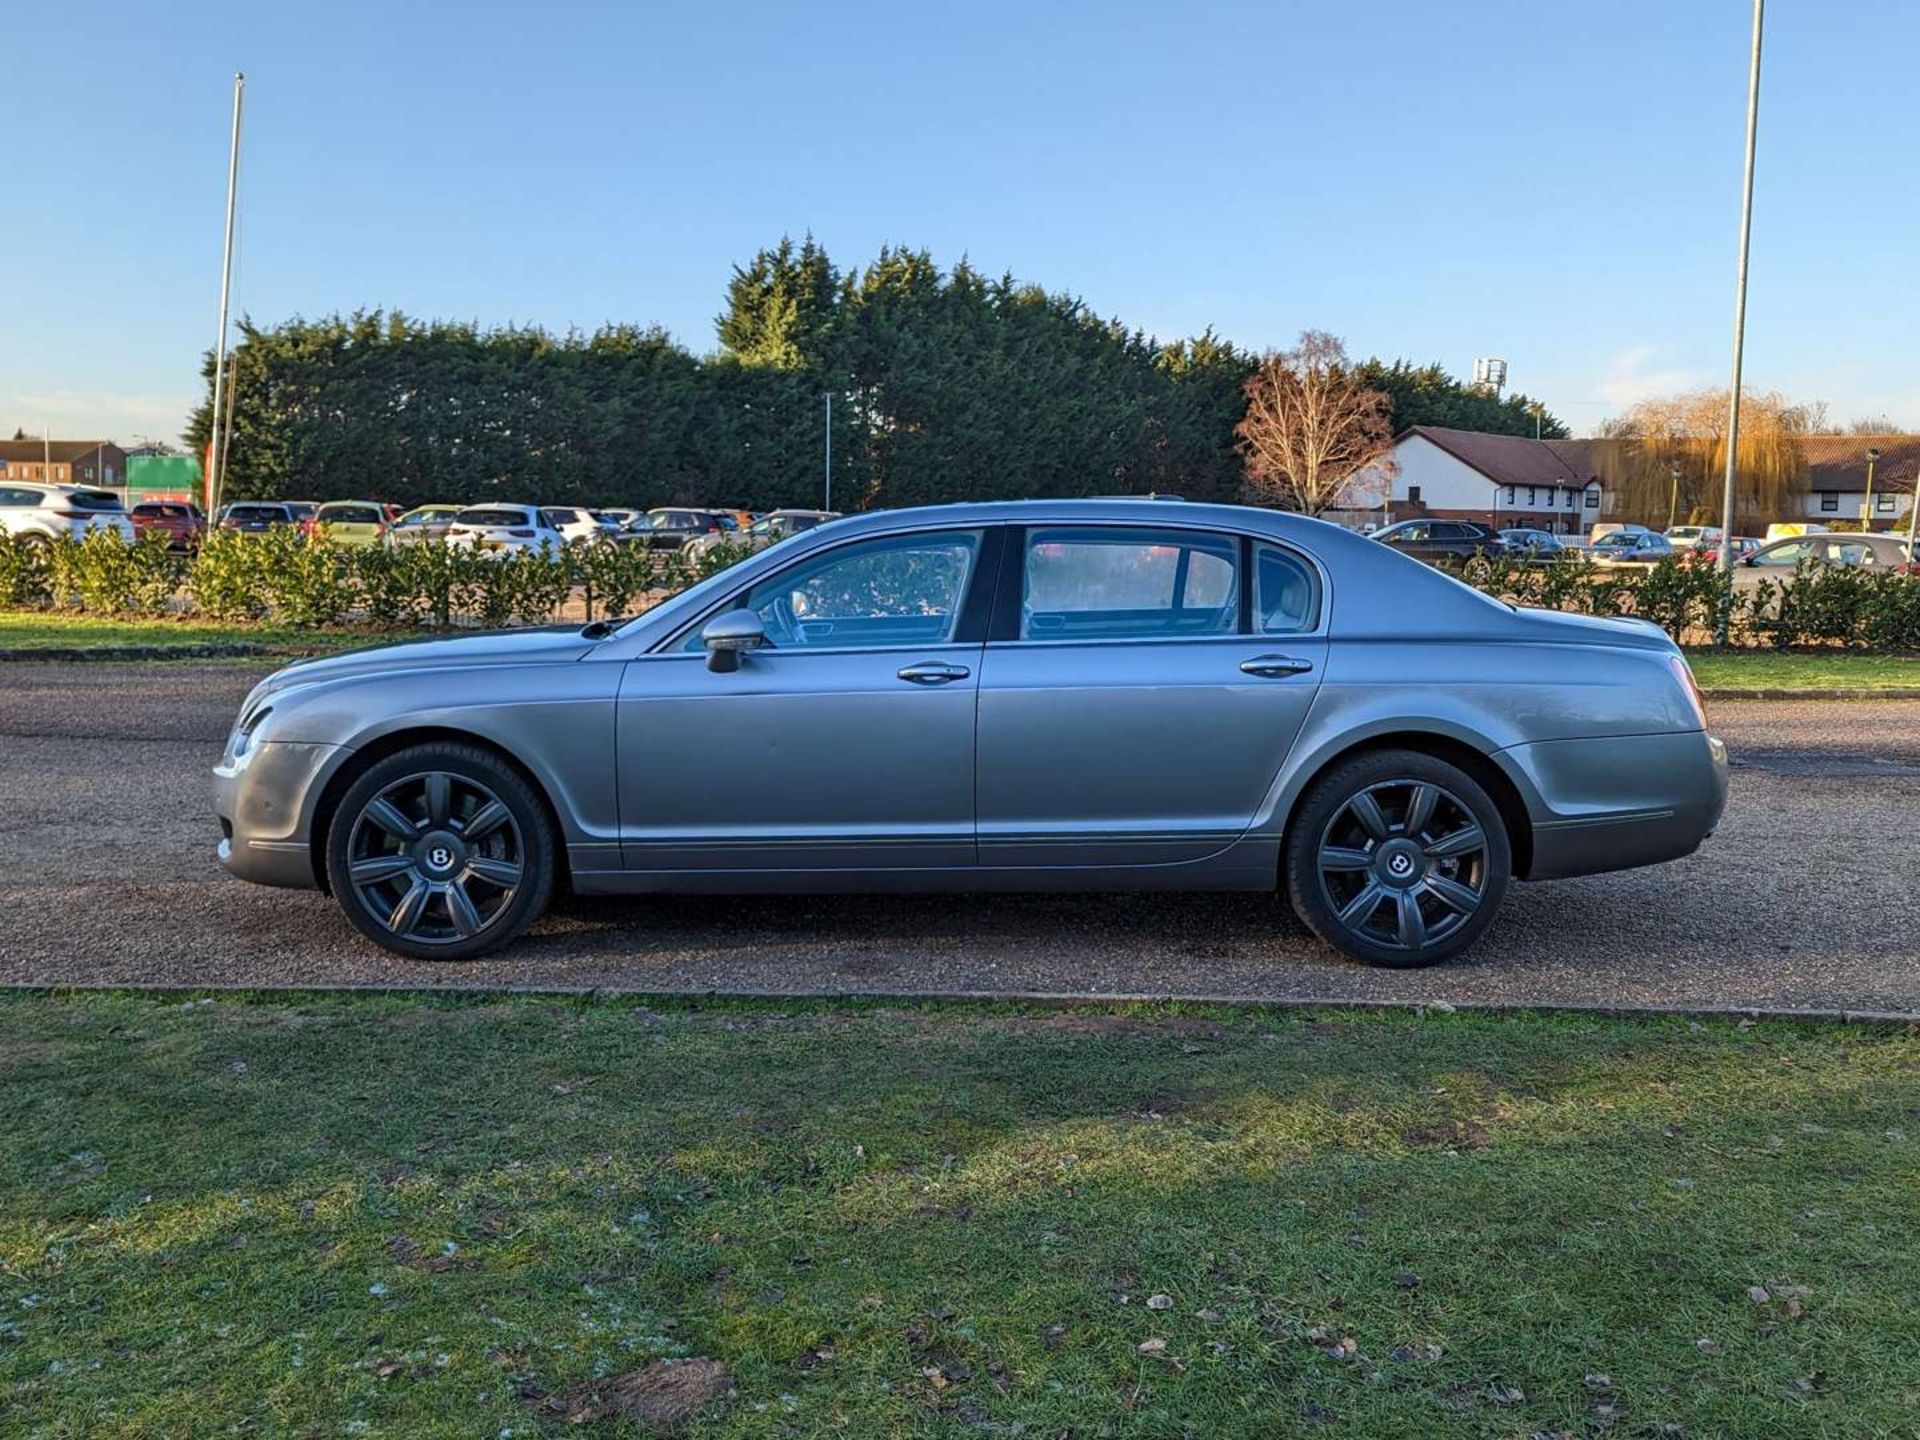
<point x="1038" y="695"/>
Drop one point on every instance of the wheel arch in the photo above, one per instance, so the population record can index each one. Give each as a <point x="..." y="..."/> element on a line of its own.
<point x="392" y="743"/>
<point x="1477" y="763"/>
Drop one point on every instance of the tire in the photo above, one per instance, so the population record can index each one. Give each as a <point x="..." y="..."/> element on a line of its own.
<point x="441" y="852"/>
<point x="1398" y="859"/>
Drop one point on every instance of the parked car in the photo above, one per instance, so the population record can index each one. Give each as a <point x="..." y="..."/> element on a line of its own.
<point x="670" y="527"/>
<point x="1041" y="695"/>
<point x="1436" y="541"/>
<point x="303" y="510"/>
<point x="1820" y="550"/>
<point x="349" y="522"/>
<point x="619" y="517"/>
<point x="42" y="512"/>
<point x="1691" y="537"/>
<point x="1599" y="532"/>
<point x="578" y="526"/>
<point x="1708" y="552"/>
<point x="1540" y="545"/>
<point x="255" y="517"/>
<point x="1630" y="547"/>
<point x="505" y="529"/>
<point x="178" y="520"/>
<point x="423" y="522"/>
<point x="769" y="529"/>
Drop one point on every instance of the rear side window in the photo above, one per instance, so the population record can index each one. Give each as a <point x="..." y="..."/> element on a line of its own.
<point x="1286" y="599"/>
<point x="93" y="500"/>
<point x="1128" y="583"/>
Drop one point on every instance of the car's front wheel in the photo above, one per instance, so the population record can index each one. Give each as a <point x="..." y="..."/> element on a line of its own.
<point x="1398" y="858"/>
<point x="441" y="852"/>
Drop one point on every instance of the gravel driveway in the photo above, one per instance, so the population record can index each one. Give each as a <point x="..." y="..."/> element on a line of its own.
<point x="107" y="877"/>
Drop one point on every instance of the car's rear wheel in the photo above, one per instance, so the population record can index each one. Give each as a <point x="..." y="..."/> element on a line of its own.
<point x="1398" y="858"/>
<point x="441" y="852"/>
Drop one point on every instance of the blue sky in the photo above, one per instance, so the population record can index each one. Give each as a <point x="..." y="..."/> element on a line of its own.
<point x="1552" y="182"/>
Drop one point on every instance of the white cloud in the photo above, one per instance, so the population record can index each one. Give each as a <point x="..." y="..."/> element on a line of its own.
<point x="1633" y="376"/>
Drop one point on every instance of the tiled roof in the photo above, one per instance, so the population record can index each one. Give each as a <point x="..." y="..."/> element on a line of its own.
<point x="1839" y="462"/>
<point x="35" y="452"/>
<point x="1513" y="459"/>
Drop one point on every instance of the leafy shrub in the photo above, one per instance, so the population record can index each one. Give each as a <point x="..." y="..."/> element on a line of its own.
<point x="307" y="581"/>
<point x="227" y="579"/>
<point x="25" y="574"/>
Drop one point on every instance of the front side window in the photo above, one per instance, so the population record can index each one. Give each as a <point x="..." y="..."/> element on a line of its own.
<point x="901" y="590"/>
<point x="1096" y="583"/>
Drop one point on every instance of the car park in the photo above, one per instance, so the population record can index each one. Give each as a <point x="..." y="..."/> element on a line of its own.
<point x="256" y="517"/>
<point x="1822" y="550"/>
<point x="349" y="522"/>
<point x="1039" y="695"/>
<point x="178" y="521"/>
<point x="1707" y="552"/>
<point x="769" y="529"/>
<point x="46" y="512"/>
<point x="505" y="530"/>
<point x="1440" y="541"/>
<point x="423" y="522"/>
<point x="1537" y="545"/>
<point x="1630" y="547"/>
<point x="670" y="527"/>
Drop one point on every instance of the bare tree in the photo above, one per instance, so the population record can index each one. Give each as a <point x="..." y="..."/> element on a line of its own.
<point x="1316" y="437"/>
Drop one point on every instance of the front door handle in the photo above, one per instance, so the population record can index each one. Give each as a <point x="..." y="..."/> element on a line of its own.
<point x="934" y="672"/>
<point x="1274" y="666"/>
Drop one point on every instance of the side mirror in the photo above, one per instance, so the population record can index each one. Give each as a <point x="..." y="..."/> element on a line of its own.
<point x="729" y="636"/>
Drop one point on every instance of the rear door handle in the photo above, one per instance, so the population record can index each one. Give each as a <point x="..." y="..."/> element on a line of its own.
<point x="1274" y="666"/>
<point x="934" y="672"/>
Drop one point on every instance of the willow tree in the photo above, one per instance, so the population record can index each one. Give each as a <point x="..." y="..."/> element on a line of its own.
<point x="1670" y="457"/>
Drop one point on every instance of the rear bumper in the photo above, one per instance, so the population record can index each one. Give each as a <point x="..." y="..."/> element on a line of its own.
<point x="264" y="801"/>
<point x="1620" y="802"/>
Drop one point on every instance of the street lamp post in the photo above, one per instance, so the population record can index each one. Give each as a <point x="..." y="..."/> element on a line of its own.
<point x="1724" y="619"/>
<point x="1866" y="506"/>
<point x="1673" y="494"/>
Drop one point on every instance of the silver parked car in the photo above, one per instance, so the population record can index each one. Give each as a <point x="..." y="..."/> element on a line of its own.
<point x="1820" y="551"/>
<point x="1086" y="695"/>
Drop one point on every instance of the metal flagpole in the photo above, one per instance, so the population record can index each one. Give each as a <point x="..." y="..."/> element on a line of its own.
<point x="1739" y="325"/>
<point x="216" y="452"/>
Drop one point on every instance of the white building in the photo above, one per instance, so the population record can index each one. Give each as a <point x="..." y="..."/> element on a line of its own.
<point x="1837" y="478"/>
<point x="1500" y="480"/>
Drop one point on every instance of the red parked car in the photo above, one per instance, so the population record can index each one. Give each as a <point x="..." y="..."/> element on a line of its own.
<point x="182" y="523"/>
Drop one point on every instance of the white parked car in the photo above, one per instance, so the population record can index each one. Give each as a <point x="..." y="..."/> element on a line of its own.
<point x="505" y="529"/>
<point x="578" y="526"/>
<point x="1692" y="537"/>
<point x="769" y="529"/>
<point x="40" y="512"/>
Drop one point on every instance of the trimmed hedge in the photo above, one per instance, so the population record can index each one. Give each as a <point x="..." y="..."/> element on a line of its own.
<point x="284" y="577"/>
<point x="289" y="579"/>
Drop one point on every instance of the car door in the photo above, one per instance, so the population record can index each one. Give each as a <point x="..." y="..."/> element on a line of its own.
<point x="1140" y="692"/>
<point x="845" y="743"/>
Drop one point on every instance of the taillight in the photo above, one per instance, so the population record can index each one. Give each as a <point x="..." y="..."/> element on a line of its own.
<point x="1683" y="672"/>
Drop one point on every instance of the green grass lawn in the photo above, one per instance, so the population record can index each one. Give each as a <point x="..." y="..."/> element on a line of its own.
<point x="1774" y="670"/>
<point x="398" y="1217"/>
<point x="38" y="630"/>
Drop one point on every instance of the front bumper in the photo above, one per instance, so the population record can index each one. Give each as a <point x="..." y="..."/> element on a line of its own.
<point x="264" y="800"/>
<point x="1619" y="802"/>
